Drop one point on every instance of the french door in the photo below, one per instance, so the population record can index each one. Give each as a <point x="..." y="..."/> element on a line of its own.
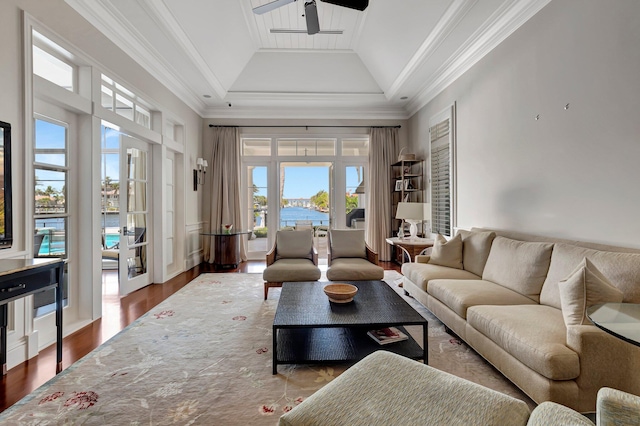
<point x="135" y="255"/>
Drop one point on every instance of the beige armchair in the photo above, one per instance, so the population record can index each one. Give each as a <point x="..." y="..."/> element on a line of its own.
<point x="349" y="257"/>
<point x="293" y="258"/>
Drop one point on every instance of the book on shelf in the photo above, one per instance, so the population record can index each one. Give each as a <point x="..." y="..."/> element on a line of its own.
<point x="387" y="335"/>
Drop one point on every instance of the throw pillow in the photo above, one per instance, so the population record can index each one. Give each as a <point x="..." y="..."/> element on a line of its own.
<point x="447" y="253"/>
<point x="475" y="250"/>
<point x="585" y="286"/>
<point x="347" y="243"/>
<point x="294" y="244"/>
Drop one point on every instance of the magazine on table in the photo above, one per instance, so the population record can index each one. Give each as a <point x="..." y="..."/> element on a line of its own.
<point x="387" y="335"/>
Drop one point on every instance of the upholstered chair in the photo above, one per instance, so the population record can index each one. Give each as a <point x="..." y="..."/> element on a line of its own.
<point x="349" y="257"/>
<point x="293" y="258"/>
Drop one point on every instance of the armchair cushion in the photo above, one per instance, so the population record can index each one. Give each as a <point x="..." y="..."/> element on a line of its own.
<point x="294" y="244"/>
<point x="291" y="270"/>
<point x="347" y="243"/>
<point x="354" y="269"/>
<point x="550" y="413"/>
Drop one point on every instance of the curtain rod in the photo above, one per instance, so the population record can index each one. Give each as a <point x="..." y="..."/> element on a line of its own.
<point x="306" y="127"/>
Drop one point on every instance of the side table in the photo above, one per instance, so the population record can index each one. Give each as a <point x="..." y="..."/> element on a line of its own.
<point x="410" y="247"/>
<point x="226" y="247"/>
<point x="621" y="320"/>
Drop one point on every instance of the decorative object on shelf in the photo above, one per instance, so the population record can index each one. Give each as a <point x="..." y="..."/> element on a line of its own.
<point x="227" y="228"/>
<point x="401" y="230"/>
<point x="413" y="213"/>
<point x="340" y="293"/>
<point x="199" y="172"/>
<point x="398" y="185"/>
<point x="406" y="157"/>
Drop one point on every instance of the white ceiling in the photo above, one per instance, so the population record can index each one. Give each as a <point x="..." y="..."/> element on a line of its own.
<point x="212" y="53"/>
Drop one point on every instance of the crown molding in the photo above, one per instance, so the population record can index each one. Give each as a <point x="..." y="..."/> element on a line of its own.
<point x="166" y="20"/>
<point x="308" y="105"/>
<point x="102" y="15"/>
<point x="449" y="21"/>
<point x="500" y="25"/>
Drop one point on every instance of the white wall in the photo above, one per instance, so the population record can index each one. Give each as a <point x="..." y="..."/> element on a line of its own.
<point x="573" y="173"/>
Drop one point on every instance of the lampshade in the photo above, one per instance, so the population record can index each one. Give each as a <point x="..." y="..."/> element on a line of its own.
<point x="413" y="211"/>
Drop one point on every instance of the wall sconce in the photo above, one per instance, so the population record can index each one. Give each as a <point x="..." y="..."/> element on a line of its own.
<point x="199" y="172"/>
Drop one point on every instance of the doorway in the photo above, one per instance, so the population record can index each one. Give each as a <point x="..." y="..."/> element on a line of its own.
<point x="125" y="201"/>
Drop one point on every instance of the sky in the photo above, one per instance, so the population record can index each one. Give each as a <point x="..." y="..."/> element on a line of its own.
<point x="303" y="181"/>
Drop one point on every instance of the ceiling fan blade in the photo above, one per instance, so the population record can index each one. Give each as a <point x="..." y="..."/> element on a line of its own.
<point x="311" y="15"/>
<point x="351" y="4"/>
<point x="271" y="6"/>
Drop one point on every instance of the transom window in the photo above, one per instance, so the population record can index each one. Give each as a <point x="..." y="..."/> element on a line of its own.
<point x="50" y="62"/>
<point x="306" y="147"/>
<point x="117" y="98"/>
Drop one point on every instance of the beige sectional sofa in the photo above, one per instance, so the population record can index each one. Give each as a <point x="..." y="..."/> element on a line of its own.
<point x="504" y="299"/>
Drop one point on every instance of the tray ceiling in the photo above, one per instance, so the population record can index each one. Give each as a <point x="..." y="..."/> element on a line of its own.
<point x="389" y="61"/>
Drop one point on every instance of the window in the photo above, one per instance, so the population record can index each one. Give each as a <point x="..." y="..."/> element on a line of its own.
<point x="50" y="165"/>
<point x="256" y="147"/>
<point x="306" y="147"/>
<point x="441" y="177"/>
<point x="115" y="97"/>
<point x="355" y="147"/>
<point x="50" y="62"/>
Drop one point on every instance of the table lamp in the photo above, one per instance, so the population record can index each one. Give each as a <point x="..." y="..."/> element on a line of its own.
<point x="413" y="213"/>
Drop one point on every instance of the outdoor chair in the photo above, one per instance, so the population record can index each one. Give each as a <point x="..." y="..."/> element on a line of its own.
<point x="292" y="258"/>
<point x="350" y="258"/>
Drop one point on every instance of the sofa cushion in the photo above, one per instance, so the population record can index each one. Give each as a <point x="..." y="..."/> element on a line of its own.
<point x="291" y="270"/>
<point x="621" y="269"/>
<point x="533" y="334"/>
<point x="354" y="269"/>
<point x="518" y="265"/>
<point x="347" y="243"/>
<point x="475" y="250"/>
<point x="459" y="295"/>
<point x="447" y="253"/>
<point x="586" y="286"/>
<point x="294" y="244"/>
<point x="421" y="273"/>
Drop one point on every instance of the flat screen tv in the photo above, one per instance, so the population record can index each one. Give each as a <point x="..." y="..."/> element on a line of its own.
<point x="6" y="224"/>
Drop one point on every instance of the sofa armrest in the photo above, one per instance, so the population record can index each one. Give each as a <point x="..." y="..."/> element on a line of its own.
<point x="605" y="361"/>
<point x="617" y="408"/>
<point x="372" y="256"/>
<point x="314" y="256"/>
<point x="423" y="258"/>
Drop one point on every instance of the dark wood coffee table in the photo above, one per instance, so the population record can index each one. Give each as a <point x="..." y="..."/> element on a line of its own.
<point x="308" y="329"/>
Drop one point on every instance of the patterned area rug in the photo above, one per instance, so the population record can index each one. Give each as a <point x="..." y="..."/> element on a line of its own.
<point x="203" y="356"/>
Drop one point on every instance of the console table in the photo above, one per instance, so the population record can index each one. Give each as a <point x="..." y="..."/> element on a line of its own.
<point x="23" y="277"/>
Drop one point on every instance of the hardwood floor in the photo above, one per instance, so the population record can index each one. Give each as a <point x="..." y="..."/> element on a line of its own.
<point x="117" y="313"/>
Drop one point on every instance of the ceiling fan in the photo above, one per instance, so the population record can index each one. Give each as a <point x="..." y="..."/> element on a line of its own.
<point x="310" y="10"/>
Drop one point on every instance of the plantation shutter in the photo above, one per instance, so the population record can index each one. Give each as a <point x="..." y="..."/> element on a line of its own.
<point x="440" y="178"/>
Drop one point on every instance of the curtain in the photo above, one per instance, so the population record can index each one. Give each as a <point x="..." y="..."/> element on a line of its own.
<point x="222" y="186"/>
<point x="383" y="152"/>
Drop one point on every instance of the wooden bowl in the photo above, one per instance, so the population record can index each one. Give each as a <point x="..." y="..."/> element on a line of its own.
<point x="340" y="293"/>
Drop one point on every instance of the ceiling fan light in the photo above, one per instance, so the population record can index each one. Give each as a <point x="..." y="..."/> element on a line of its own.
<point x="311" y="14"/>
